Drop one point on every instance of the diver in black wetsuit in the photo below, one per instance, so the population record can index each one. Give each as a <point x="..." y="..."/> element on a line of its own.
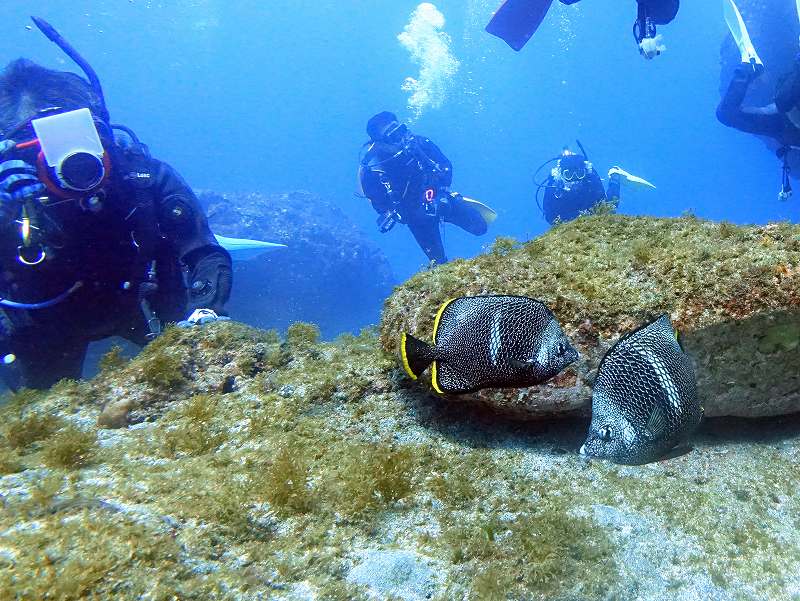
<point x="779" y="120"/>
<point x="407" y="179"/>
<point x="574" y="187"/>
<point x="97" y="238"/>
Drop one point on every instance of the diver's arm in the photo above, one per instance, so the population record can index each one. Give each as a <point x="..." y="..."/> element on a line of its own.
<point x="763" y="121"/>
<point x="437" y="158"/>
<point x="375" y="191"/>
<point x="183" y="222"/>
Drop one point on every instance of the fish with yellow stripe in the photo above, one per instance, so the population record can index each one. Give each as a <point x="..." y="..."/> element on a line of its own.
<point x="492" y="341"/>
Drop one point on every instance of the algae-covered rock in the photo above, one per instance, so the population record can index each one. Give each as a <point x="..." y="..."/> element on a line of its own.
<point x="297" y="470"/>
<point x="329" y="263"/>
<point x="733" y="294"/>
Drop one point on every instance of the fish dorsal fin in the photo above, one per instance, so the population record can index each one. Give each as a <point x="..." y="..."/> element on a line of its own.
<point x="656" y="423"/>
<point x="663" y="323"/>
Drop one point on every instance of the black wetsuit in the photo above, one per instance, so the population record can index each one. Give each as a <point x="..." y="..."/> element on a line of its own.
<point x="109" y="252"/>
<point x="762" y="121"/>
<point x="661" y="12"/>
<point x="395" y="179"/>
<point x="565" y="205"/>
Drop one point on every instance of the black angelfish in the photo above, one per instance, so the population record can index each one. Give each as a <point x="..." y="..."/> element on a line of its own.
<point x="490" y="342"/>
<point x="644" y="401"/>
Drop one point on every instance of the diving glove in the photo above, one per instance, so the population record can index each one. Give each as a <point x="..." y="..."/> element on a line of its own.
<point x="18" y="182"/>
<point x="200" y="317"/>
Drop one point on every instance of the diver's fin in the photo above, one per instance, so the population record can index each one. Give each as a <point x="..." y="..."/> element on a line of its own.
<point x="242" y="249"/>
<point x="487" y="213"/>
<point x="656" y="424"/>
<point x="517" y="20"/>
<point x="630" y="178"/>
<point x="739" y="32"/>
<point x="416" y="354"/>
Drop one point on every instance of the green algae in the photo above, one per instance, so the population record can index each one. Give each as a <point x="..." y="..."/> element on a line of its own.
<point x="22" y="432"/>
<point x="322" y="454"/>
<point x="112" y="360"/>
<point x="70" y="448"/>
<point x="630" y="266"/>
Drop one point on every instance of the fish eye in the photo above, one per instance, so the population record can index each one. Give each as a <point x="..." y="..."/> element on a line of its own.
<point x="561" y="349"/>
<point x="606" y="433"/>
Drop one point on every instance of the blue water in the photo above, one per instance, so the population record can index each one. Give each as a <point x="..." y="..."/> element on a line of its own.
<point x="273" y="96"/>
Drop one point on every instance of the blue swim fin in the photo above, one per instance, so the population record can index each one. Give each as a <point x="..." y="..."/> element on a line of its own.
<point x="242" y="249"/>
<point x="517" y="20"/>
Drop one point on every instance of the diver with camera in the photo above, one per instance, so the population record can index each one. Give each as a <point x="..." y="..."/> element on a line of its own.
<point x="407" y="180"/>
<point x="574" y="188"/>
<point x="97" y="238"/>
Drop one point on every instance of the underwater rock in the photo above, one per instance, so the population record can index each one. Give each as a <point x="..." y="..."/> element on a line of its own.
<point x="356" y="486"/>
<point x="329" y="262"/>
<point x="732" y="292"/>
<point x="394" y="574"/>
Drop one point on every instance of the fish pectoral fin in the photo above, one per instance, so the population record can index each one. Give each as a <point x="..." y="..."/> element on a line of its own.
<point x="656" y="424"/>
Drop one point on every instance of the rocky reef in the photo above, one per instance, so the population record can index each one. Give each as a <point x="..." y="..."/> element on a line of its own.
<point x="733" y="294"/>
<point x="250" y="468"/>
<point x="329" y="262"/>
<point x="225" y="462"/>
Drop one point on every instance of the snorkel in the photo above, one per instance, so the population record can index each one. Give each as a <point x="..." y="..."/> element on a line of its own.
<point x="50" y="32"/>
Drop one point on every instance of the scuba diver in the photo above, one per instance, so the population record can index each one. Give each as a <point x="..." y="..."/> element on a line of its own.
<point x="515" y="21"/>
<point x="574" y="187"/>
<point x="407" y="178"/>
<point x="97" y="238"/>
<point x="779" y="120"/>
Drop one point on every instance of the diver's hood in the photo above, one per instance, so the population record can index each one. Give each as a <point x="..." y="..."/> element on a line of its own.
<point x="572" y="161"/>
<point x="382" y="124"/>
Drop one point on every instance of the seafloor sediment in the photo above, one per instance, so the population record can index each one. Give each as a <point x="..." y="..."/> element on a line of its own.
<point x="236" y="465"/>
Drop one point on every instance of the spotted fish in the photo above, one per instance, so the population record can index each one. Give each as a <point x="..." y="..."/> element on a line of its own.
<point x="644" y="401"/>
<point x="489" y="342"/>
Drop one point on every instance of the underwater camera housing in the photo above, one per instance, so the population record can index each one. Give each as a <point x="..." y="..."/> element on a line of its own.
<point x="73" y="158"/>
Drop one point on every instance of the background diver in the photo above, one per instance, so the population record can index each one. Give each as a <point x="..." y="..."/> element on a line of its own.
<point x="515" y="21"/>
<point x="574" y="187"/>
<point x="97" y="238"/>
<point x="779" y="120"/>
<point x="407" y="179"/>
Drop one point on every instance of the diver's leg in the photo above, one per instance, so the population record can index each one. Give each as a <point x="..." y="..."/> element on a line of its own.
<point x="459" y="213"/>
<point x="661" y="12"/>
<point x="614" y="189"/>
<point x="427" y="234"/>
<point x="41" y="361"/>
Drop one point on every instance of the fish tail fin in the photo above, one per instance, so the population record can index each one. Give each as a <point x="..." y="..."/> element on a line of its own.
<point x="417" y="355"/>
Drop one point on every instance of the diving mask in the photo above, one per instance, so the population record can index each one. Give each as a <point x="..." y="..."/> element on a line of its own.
<point x="395" y="133"/>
